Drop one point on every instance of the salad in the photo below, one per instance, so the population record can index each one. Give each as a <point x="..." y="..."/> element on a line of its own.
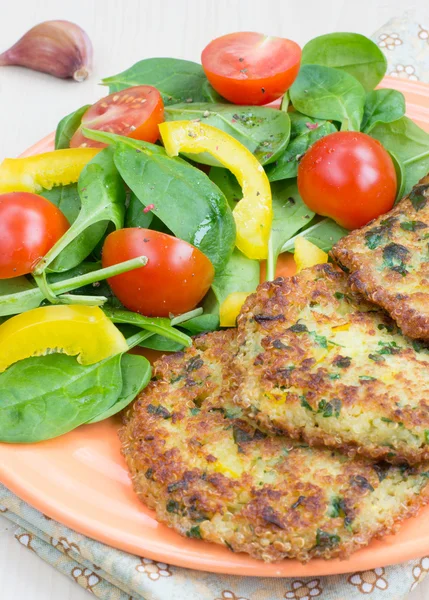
<point x="166" y="203"/>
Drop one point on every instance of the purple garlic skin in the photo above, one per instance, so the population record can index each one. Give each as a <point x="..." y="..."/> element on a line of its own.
<point x="60" y="48"/>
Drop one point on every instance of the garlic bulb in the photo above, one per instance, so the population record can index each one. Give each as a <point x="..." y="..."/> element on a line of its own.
<point x="59" y="48"/>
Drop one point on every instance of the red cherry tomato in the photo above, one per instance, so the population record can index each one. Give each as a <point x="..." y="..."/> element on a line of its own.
<point x="29" y="227"/>
<point x="176" y="277"/>
<point x="349" y="177"/>
<point x="135" y="112"/>
<point x="251" y="68"/>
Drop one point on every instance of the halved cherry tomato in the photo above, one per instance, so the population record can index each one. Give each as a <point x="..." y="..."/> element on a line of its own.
<point x="251" y="68"/>
<point x="135" y="112"/>
<point x="176" y="277"/>
<point x="349" y="177"/>
<point x="29" y="227"/>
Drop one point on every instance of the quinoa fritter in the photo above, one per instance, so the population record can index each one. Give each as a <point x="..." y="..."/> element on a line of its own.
<point x="211" y="474"/>
<point x="318" y="363"/>
<point x="388" y="261"/>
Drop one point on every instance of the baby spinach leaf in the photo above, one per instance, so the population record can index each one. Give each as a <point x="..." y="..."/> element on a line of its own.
<point x="206" y="322"/>
<point x="382" y="106"/>
<point x="68" y="126"/>
<point x="184" y="199"/>
<point x="15" y="285"/>
<point x="66" y="198"/>
<point x="353" y="53"/>
<point x="327" y="93"/>
<point x="228" y="184"/>
<point x="135" y="215"/>
<point x="264" y="131"/>
<point x="324" y="234"/>
<point x="210" y="94"/>
<point x="177" y="80"/>
<point x="241" y="274"/>
<point x="304" y="132"/>
<point x="102" y="196"/>
<point x="290" y="214"/>
<point x="46" y="396"/>
<point x="409" y="144"/>
<point x="136" y="374"/>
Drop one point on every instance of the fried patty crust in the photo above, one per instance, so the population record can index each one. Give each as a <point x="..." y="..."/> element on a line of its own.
<point x="212" y="474"/>
<point x="388" y="261"/>
<point x="321" y="364"/>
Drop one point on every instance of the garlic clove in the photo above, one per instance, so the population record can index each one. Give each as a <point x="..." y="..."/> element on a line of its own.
<point x="60" y="48"/>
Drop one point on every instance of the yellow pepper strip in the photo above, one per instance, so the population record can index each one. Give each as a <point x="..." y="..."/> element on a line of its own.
<point x="307" y="254"/>
<point x="81" y="330"/>
<point x="47" y="170"/>
<point x="230" y="308"/>
<point x="253" y="214"/>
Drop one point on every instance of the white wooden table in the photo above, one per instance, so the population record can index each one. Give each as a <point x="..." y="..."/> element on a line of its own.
<point x="124" y="31"/>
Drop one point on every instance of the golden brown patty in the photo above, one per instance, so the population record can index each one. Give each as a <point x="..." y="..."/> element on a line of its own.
<point x="388" y="261"/>
<point x="210" y="474"/>
<point x="318" y="363"/>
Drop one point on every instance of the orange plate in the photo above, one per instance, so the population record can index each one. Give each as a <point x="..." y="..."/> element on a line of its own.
<point x="80" y="479"/>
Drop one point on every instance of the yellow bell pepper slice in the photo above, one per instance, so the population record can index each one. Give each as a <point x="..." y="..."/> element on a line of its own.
<point x="47" y="170"/>
<point x="230" y="308"/>
<point x="253" y="214"/>
<point x="307" y="254"/>
<point x="84" y="331"/>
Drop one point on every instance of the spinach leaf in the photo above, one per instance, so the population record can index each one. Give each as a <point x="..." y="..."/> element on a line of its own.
<point x="228" y="184"/>
<point x="46" y="396"/>
<point x="290" y="214"/>
<point x="136" y="374"/>
<point x="400" y="176"/>
<point x="324" y="234"/>
<point x="102" y="196"/>
<point x="157" y="325"/>
<point x="184" y="199"/>
<point x="206" y="322"/>
<point x="177" y="80"/>
<point x="327" y="93"/>
<point x="264" y="131"/>
<point x="67" y="199"/>
<point x="68" y="126"/>
<point x="353" y="53"/>
<point x="211" y="95"/>
<point x="15" y="285"/>
<point x="241" y="274"/>
<point x="409" y="144"/>
<point x="136" y="217"/>
<point x="304" y="132"/>
<point x="382" y="106"/>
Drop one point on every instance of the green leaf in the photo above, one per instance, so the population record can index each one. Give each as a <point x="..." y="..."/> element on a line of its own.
<point x="327" y="93"/>
<point x="211" y="95"/>
<point x="264" y="131"/>
<point x="46" y="396"/>
<point x="201" y="324"/>
<point x="184" y="199"/>
<point x="303" y="135"/>
<point x="102" y="196"/>
<point x="353" y="53"/>
<point x="290" y="214"/>
<point x="324" y="234"/>
<point x="177" y="80"/>
<point x="67" y="199"/>
<point x="409" y="144"/>
<point x="15" y="285"/>
<point x="68" y="126"/>
<point x="136" y="374"/>
<point x="241" y="274"/>
<point x="228" y="184"/>
<point x="382" y="106"/>
<point x="135" y="215"/>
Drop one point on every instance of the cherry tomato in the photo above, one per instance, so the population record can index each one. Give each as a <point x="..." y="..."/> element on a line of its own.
<point x="135" y="112"/>
<point x="29" y="227"/>
<point x="349" y="177"/>
<point x="176" y="277"/>
<point x="251" y="68"/>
